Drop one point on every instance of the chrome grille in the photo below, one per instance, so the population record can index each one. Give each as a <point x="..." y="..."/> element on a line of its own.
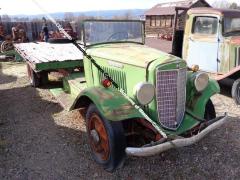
<point x="171" y="97"/>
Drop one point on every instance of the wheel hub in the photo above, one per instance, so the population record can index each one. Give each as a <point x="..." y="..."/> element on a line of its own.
<point x="95" y="136"/>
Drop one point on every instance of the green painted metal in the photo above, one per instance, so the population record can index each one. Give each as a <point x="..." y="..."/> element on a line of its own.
<point x="127" y="74"/>
<point x="111" y="103"/>
<point x="73" y="85"/>
<point x="58" y="65"/>
<point x="13" y="53"/>
<point x="129" y="64"/>
<point x="132" y="54"/>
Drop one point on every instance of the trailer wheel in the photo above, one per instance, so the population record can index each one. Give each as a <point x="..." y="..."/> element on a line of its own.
<point x="236" y="91"/>
<point x="37" y="79"/>
<point x="33" y="77"/>
<point x="107" y="140"/>
<point x="210" y="112"/>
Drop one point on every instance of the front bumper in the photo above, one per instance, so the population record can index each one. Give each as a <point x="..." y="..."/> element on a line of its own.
<point x="176" y="143"/>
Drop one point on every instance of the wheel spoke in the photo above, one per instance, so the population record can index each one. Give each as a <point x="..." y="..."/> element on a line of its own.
<point x="101" y="147"/>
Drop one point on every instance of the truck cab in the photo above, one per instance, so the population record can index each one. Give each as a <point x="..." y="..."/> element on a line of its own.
<point x="212" y="40"/>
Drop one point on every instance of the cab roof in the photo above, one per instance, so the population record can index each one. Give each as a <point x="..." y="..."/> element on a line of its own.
<point x="222" y="12"/>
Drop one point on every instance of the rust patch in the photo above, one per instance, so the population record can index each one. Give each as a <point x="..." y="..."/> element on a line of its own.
<point x="102" y="96"/>
<point x="235" y="41"/>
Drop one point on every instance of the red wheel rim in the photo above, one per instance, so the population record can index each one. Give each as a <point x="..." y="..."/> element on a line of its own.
<point x="99" y="142"/>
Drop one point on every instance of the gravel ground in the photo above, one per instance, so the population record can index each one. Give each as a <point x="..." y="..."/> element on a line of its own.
<point x="40" y="140"/>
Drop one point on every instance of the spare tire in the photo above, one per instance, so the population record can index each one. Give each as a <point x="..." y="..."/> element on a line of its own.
<point x="59" y="40"/>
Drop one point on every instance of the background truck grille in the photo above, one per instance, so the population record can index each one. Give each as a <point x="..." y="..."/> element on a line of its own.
<point x="171" y="97"/>
<point x="237" y="56"/>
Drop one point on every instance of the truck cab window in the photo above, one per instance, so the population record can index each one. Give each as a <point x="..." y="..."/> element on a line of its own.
<point x="231" y="26"/>
<point x="205" y="25"/>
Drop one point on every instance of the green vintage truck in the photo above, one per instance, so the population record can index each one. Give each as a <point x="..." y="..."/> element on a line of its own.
<point x="150" y="101"/>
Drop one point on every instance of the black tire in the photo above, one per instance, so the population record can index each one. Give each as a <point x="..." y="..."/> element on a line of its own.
<point x="210" y="112"/>
<point x="116" y="140"/>
<point x="33" y="77"/>
<point x="236" y="91"/>
<point x="37" y="79"/>
<point x="59" y="40"/>
<point x="43" y="77"/>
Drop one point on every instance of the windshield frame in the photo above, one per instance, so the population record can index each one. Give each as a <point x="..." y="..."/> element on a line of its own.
<point x="114" y="42"/>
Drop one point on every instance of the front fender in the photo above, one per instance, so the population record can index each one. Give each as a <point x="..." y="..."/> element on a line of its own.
<point x="110" y="103"/>
<point x="198" y="101"/>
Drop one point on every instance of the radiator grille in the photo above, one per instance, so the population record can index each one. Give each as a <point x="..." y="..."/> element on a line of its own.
<point x="118" y="76"/>
<point x="171" y="97"/>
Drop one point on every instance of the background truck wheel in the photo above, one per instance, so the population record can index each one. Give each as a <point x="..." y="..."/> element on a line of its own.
<point x="236" y="91"/>
<point x="106" y="138"/>
<point x="37" y="79"/>
<point x="210" y="112"/>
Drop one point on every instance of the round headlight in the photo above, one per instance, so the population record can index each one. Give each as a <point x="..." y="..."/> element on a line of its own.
<point x="201" y="81"/>
<point x="144" y="92"/>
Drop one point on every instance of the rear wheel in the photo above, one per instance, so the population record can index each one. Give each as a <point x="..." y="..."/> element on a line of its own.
<point x="210" y="112"/>
<point x="106" y="138"/>
<point x="36" y="79"/>
<point x="236" y="91"/>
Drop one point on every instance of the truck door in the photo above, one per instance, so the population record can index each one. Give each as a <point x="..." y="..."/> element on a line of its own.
<point x="204" y="43"/>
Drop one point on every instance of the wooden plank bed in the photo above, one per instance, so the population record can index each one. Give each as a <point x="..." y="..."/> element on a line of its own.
<point x="49" y="56"/>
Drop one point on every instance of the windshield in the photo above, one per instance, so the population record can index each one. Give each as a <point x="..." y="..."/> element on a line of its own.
<point x="231" y="25"/>
<point x="101" y="31"/>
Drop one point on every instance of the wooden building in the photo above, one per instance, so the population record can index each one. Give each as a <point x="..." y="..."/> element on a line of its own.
<point x="160" y="18"/>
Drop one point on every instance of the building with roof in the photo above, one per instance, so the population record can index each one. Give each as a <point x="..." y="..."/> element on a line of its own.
<point x="159" y="20"/>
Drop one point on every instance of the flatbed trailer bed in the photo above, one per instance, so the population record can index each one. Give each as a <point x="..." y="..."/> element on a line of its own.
<point x="42" y="56"/>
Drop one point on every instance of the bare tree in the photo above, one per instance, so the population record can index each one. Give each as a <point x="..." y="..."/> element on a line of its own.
<point x="128" y="15"/>
<point x="234" y="6"/>
<point x="68" y="16"/>
<point x="221" y="4"/>
<point x="6" y="18"/>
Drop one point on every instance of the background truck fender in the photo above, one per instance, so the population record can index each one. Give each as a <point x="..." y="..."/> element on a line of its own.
<point x="199" y="100"/>
<point x="110" y="103"/>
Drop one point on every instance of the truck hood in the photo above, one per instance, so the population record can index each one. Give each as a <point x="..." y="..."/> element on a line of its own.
<point x="134" y="54"/>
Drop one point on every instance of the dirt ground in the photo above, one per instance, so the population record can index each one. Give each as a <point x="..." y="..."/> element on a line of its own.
<point x="40" y="140"/>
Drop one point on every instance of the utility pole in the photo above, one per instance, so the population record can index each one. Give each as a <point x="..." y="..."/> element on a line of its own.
<point x="0" y="17"/>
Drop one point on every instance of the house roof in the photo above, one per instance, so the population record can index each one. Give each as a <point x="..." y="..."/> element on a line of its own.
<point x="225" y="12"/>
<point x="169" y="8"/>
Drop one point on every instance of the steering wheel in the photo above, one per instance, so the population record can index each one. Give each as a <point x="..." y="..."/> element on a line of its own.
<point x="118" y="36"/>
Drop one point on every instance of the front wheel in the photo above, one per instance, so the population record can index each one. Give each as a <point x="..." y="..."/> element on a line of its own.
<point x="236" y="91"/>
<point x="106" y="138"/>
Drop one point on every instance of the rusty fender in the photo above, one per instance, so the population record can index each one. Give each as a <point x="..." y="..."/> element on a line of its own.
<point x="177" y="143"/>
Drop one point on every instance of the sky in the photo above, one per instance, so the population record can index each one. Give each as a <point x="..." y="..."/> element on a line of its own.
<point x="13" y="7"/>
